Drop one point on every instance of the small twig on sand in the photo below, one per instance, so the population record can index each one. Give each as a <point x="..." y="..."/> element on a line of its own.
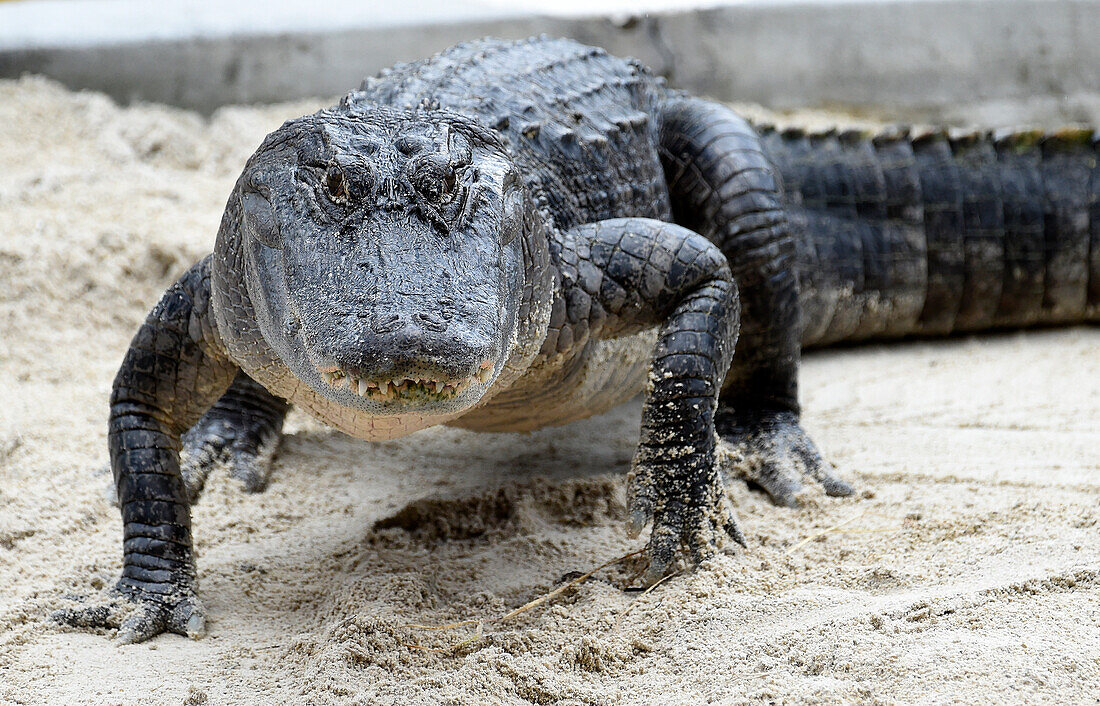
<point x="565" y="587"/>
<point x="481" y="622"/>
<point x="823" y="532"/>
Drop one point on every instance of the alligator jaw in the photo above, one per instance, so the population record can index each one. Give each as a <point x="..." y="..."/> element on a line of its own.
<point x="404" y="388"/>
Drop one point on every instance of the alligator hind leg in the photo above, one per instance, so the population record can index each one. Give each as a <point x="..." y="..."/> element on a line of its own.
<point x="773" y="452"/>
<point x="241" y="431"/>
<point x="723" y="187"/>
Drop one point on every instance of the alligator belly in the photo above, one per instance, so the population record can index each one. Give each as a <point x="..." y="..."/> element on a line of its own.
<point x="605" y="375"/>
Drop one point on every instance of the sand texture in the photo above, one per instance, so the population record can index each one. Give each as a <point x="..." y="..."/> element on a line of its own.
<point x="967" y="569"/>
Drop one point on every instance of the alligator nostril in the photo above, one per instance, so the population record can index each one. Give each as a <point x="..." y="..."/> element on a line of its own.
<point x="386" y="323"/>
<point x="431" y="321"/>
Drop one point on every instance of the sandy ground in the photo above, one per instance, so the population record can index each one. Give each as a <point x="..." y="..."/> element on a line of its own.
<point x="968" y="570"/>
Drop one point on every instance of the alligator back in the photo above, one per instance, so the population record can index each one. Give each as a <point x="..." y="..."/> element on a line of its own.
<point x="933" y="234"/>
<point x="579" y="120"/>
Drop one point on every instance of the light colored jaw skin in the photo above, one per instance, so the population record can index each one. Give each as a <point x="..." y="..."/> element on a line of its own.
<point x="603" y="376"/>
<point x="562" y="389"/>
<point x="394" y="395"/>
<point x="354" y="422"/>
<point x="405" y="388"/>
<point x="401" y="406"/>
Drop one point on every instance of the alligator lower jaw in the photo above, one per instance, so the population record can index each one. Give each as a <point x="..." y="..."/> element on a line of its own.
<point x="405" y="389"/>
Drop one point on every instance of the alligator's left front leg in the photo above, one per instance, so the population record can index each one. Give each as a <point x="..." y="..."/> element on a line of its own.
<point x="618" y="277"/>
<point x="723" y="186"/>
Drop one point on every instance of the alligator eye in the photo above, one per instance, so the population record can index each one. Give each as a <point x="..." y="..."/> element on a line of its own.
<point x="337" y="185"/>
<point x="435" y="180"/>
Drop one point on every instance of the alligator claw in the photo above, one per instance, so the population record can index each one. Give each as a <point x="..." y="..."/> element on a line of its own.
<point x="773" y="451"/>
<point x="139" y="616"/>
<point x="686" y="502"/>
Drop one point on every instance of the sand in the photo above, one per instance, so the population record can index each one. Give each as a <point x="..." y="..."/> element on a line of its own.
<point x="966" y="570"/>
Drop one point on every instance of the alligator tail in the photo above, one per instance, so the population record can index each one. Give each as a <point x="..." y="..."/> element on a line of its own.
<point x="933" y="234"/>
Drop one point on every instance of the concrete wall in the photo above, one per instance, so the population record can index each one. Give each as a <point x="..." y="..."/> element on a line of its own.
<point x="909" y="55"/>
<point x="873" y="53"/>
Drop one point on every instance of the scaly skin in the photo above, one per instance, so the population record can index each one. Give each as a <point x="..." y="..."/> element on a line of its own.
<point x="175" y="369"/>
<point x="515" y="234"/>
<point x="934" y="234"/>
<point x="241" y="430"/>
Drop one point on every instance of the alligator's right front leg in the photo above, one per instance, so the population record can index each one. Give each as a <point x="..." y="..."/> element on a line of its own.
<point x="175" y="369"/>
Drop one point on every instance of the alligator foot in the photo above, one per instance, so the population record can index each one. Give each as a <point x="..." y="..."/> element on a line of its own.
<point x="684" y="497"/>
<point x="245" y="446"/>
<point x="772" y="450"/>
<point x="139" y="614"/>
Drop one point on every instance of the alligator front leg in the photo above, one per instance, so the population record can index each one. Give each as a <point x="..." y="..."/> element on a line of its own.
<point x="174" y="370"/>
<point x="241" y="431"/>
<point x="620" y="276"/>
<point x="723" y="186"/>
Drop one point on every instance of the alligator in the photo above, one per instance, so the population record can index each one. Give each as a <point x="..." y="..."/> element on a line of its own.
<point x="510" y="235"/>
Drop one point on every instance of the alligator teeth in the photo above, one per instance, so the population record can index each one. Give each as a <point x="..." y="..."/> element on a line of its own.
<point x="396" y="388"/>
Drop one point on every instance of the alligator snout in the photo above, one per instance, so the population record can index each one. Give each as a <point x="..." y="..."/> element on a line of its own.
<point x="402" y="357"/>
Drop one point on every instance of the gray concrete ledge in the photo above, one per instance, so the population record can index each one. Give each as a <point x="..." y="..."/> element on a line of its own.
<point x="909" y="55"/>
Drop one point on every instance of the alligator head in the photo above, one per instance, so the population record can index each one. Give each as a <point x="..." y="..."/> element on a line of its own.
<point x="382" y="252"/>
